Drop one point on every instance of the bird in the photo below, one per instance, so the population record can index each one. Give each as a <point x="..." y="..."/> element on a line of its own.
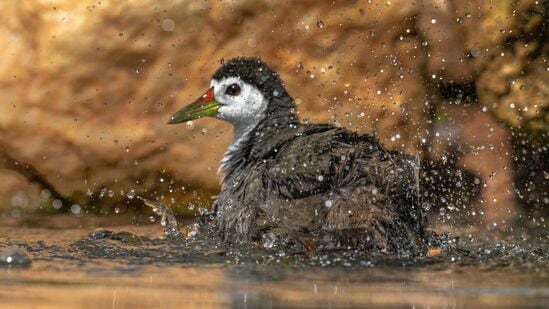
<point x="319" y="185"/>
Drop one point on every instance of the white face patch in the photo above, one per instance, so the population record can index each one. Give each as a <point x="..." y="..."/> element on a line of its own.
<point x="244" y="109"/>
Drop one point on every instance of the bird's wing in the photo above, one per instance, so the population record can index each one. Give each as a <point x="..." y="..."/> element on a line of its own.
<point x="325" y="161"/>
<point x="334" y="180"/>
<point x="314" y="162"/>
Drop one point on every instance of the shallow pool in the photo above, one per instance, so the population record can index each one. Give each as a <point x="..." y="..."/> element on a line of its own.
<point x="135" y="268"/>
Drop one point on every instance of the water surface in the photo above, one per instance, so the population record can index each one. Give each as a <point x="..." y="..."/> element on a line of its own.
<point x="124" y="265"/>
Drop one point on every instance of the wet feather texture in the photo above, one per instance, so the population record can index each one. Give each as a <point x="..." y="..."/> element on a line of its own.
<point x="315" y="183"/>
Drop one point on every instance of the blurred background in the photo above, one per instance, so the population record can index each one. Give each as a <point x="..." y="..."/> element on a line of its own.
<point x="86" y="88"/>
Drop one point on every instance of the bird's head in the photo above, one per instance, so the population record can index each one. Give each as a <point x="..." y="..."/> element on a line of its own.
<point x="243" y="92"/>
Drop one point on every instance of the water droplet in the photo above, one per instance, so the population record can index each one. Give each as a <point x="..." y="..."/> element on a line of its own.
<point x="252" y="42"/>
<point x="75" y="209"/>
<point x="131" y="194"/>
<point x="475" y="52"/>
<point x="269" y="240"/>
<point x="320" y="24"/>
<point x="45" y="193"/>
<point x="193" y="230"/>
<point x="57" y="204"/>
<point x="168" y="24"/>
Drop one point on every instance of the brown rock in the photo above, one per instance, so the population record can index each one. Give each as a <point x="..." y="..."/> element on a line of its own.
<point x="513" y="74"/>
<point x="88" y="86"/>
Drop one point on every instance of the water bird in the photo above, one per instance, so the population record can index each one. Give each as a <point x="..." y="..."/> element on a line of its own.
<point x="315" y="184"/>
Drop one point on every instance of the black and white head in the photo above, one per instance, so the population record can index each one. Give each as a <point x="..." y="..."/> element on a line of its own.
<point x="243" y="92"/>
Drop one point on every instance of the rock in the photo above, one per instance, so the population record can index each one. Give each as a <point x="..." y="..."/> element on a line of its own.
<point x="89" y="86"/>
<point x="513" y="75"/>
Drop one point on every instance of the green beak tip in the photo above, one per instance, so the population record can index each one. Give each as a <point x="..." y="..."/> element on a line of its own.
<point x="194" y="111"/>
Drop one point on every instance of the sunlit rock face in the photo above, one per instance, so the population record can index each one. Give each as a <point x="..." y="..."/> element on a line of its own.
<point x="513" y="85"/>
<point x="87" y="86"/>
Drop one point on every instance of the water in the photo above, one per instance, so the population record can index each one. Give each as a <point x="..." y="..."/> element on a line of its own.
<point x="127" y="262"/>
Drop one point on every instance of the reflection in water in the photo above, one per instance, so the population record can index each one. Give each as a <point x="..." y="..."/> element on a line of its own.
<point x="131" y="266"/>
<point x="107" y="284"/>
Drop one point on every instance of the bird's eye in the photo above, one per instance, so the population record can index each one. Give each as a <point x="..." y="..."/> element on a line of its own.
<point x="233" y="89"/>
